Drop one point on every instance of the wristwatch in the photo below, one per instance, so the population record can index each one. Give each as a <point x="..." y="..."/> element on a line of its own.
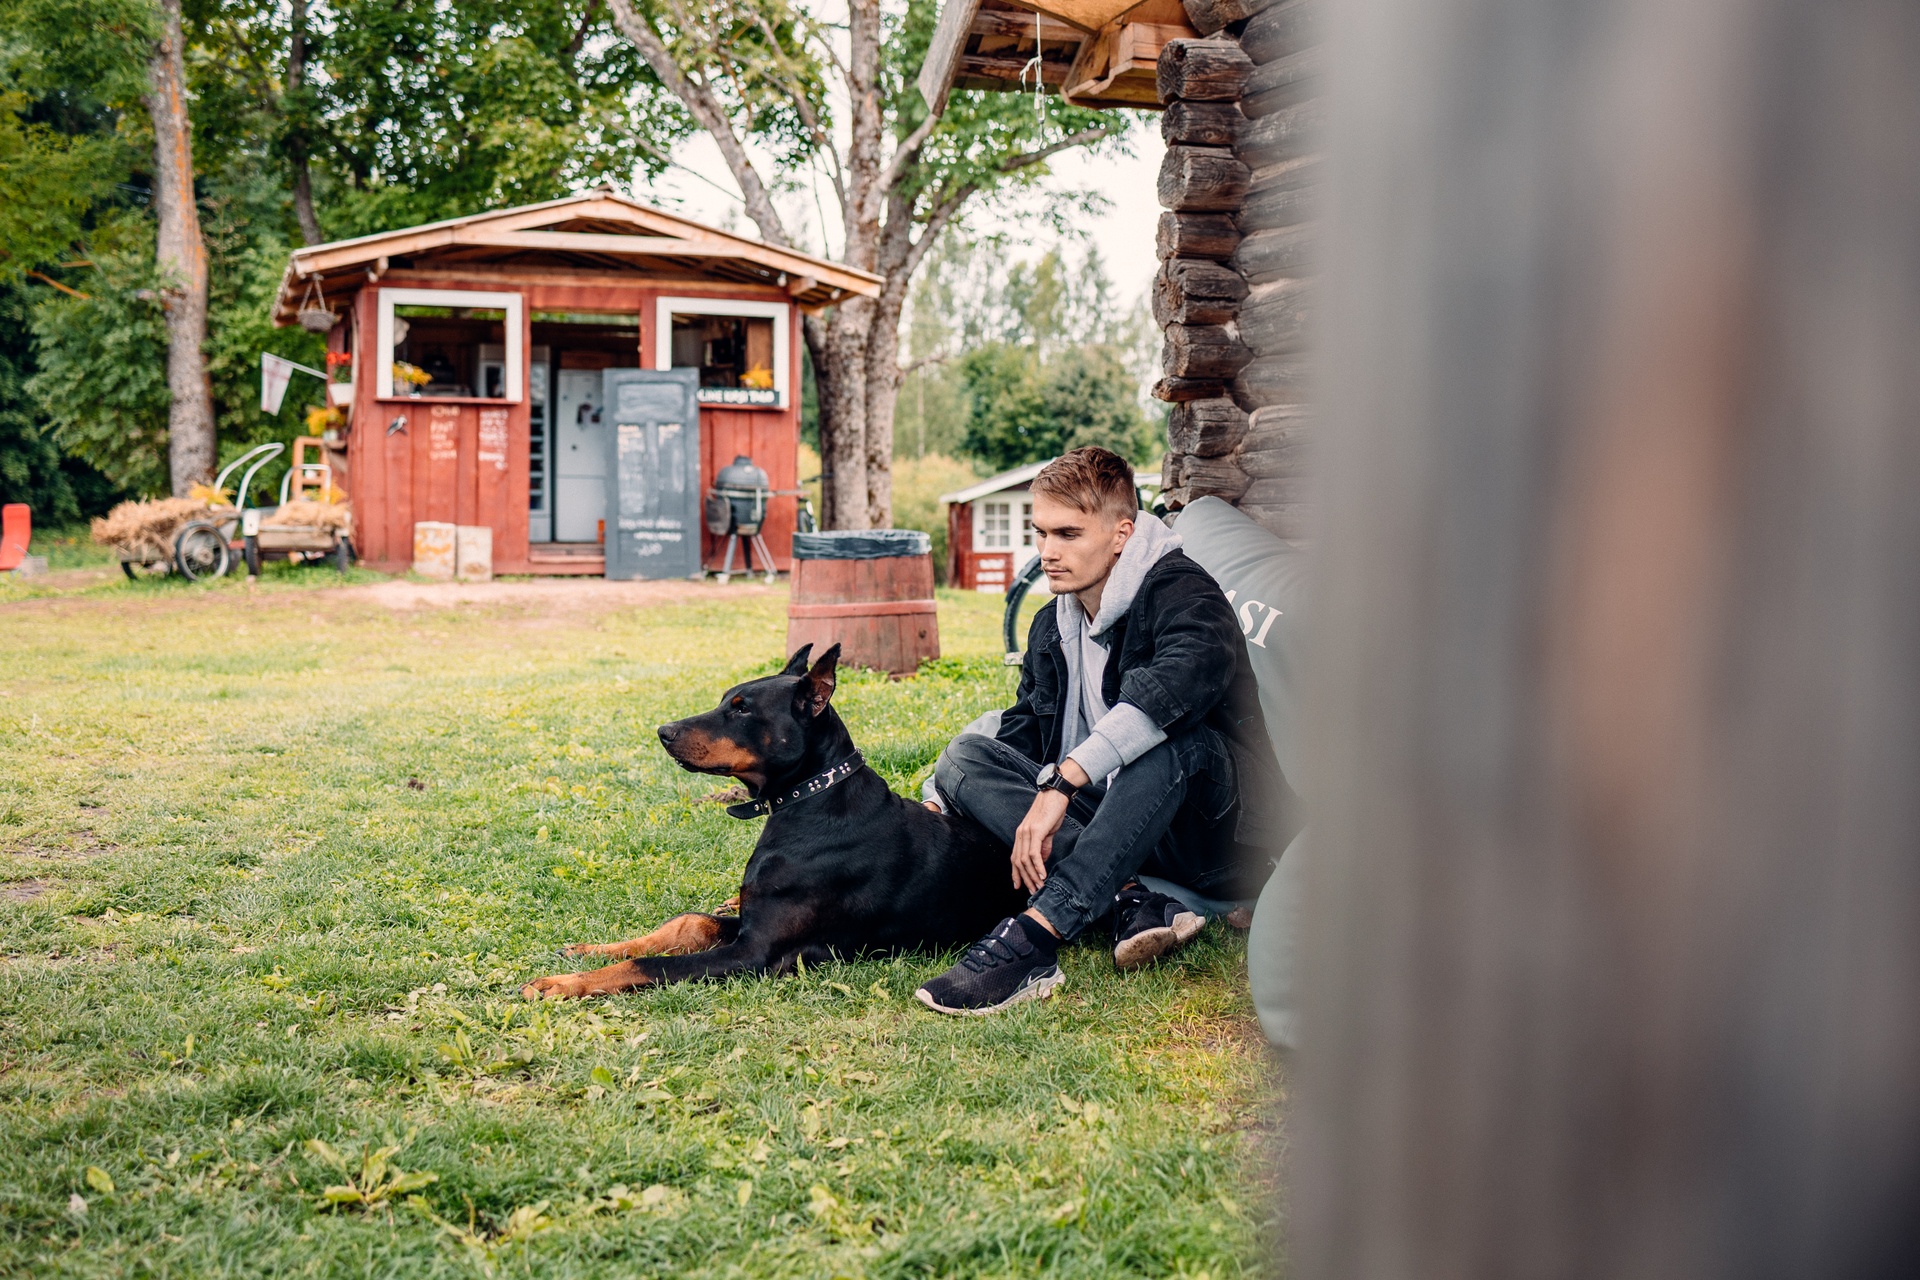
<point x="1051" y="779"/>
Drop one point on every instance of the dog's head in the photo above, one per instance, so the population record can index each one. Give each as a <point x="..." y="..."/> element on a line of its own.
<point x="764" y="728"/>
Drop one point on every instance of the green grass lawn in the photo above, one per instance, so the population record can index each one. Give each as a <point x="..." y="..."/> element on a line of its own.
<point x="275" y="861"/>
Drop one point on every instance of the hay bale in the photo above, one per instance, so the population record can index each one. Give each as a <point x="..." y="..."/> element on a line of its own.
<point x="336" y="517"/>
<point x="144" y="530"/>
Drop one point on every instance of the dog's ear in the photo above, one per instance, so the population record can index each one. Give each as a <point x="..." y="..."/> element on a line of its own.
<point x="816" y="687"/>
<point x="798" y="662"/>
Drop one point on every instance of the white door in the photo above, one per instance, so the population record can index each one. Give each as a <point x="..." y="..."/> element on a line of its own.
<point x="580" y="457"/>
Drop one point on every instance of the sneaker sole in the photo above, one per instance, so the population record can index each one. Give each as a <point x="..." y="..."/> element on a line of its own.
<point x="1040" y="990"/>
<point x="1151" y="944"/>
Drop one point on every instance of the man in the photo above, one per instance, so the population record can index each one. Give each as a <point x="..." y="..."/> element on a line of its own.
<point x="1135" y="744"/>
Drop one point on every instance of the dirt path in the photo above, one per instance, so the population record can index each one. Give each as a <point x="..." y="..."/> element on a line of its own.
<point x="552" y="596"/>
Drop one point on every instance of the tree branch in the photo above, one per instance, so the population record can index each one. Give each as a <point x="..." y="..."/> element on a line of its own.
<point x="69" y="290"/>
<point x="708" y="113"/>
<point x="1072" y="140"/>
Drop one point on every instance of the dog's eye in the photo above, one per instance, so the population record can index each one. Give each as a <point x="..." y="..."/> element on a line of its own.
<point x="738" y="704"/>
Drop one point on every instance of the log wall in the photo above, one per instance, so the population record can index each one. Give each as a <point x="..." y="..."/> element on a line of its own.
<point x="1234" y="295"/>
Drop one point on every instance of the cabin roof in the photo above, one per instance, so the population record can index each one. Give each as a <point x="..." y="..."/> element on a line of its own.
<point x="596" y="230"/>
<point x="1021" y="477"/>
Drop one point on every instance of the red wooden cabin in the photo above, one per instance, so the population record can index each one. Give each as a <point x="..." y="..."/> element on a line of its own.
<point x="507" y="319"/>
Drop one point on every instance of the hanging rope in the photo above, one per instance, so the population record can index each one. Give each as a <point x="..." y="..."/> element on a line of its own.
<point x="1033" y="65"/>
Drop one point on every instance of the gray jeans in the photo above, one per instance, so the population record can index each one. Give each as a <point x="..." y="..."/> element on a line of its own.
<point x="1169" y="814"/>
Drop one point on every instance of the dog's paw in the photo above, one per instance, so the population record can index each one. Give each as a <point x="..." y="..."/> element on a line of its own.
<point x="561" y="986"/>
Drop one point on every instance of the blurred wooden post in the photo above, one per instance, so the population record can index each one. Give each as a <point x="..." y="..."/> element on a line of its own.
<point x="1614" y="926"/>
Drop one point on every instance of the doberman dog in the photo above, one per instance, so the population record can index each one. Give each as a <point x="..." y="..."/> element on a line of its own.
<point x="843" y="865"/>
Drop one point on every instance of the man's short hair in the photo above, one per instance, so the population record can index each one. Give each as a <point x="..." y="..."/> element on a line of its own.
<point x="1094" y="480"/>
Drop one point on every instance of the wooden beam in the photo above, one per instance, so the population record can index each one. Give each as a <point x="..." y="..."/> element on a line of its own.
<point x="938" y="68"/>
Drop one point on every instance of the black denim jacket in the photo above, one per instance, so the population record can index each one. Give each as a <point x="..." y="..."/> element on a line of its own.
<point x="1179" y="656"/>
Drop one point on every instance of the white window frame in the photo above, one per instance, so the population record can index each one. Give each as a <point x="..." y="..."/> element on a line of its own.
<point x="667" y="308"/>
<point x="512" y="304"/>
<point x="982" y="532"/>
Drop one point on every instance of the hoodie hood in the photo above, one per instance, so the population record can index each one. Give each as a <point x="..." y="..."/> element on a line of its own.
<point x="1151" y="540"/>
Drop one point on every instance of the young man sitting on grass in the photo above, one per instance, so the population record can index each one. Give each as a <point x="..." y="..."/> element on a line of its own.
<point x="1135" y="745"/>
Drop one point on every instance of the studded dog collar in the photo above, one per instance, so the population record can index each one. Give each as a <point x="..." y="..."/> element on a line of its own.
<point x="811" y="787"/>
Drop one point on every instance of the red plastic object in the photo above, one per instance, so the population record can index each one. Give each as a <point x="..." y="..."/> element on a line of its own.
<point x="16" y="531"/>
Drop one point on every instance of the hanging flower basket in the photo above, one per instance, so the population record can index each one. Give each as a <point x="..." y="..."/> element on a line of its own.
<point x="315" y="316"/>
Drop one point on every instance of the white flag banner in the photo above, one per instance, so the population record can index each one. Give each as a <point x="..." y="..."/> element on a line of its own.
<point x="275" y="373"/>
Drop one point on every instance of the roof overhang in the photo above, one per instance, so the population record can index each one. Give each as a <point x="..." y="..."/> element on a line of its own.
<point x="595" y="230"/>
<point x="1094" y="53"/>
<point x="1020" y="477"/>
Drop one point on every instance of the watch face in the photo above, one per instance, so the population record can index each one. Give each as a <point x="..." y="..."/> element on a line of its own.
<point x="1048" y="772"/>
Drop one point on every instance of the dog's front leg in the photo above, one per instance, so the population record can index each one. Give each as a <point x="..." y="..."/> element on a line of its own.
<point x="739" y="956"/>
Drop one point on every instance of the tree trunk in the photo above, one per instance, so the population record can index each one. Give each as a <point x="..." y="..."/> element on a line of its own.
<point x="182" y="257"/>
<point x="843" y="416"/>
<point x="297" y="140"/>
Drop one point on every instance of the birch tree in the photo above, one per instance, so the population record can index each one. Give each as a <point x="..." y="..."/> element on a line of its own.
<point x="762" y="74"/>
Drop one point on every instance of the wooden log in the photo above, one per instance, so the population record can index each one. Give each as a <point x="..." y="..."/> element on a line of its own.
<point x="1279" y="136"/>
<point x="1202" y="71"/>
<point x="1266" y="256"/>
<point x="1175" y="497"/>
<point x="1204" y="179"/>
<point x="1196" y="235"/>
<point x="1273" y="380"/>
<point x="1209" y="16"/>
<point x="1201" y="124"/>
<point x="1202" y="351"/>
<point x="1213" y="477"/>
<point x="1283" y="30"/>
<point x="1171" y="470"/>
<point x="1195" y="291"/>
<point x="1270" y="424"/>
<point x="1288" y="462"/>
<point x="1279" y="491"/>
<point x="1206" y="428"/>
<point x="1178" y="390"/>
<point x="1281" y="195"/>
<point x="1288" y="82"/>
<point x="1290" y="522"/>
<point x="1274" y="319"/>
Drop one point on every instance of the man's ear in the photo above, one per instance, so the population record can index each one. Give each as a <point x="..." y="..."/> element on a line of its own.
<point x="798" y="662"/>
<point x="816" y="687"/>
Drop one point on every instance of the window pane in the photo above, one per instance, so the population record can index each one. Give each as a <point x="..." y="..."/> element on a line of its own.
<point x="734" y="355"/>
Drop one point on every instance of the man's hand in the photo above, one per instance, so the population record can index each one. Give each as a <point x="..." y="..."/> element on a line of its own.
<point x="1033" y="841"/>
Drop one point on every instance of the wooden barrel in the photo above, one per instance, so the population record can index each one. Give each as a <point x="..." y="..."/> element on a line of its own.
<point x="871" y="591"/>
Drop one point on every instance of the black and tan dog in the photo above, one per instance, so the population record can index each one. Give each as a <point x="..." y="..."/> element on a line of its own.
<point x="843" y="865"/>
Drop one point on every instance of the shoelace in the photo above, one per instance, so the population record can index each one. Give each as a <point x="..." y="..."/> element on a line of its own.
<point x="982" y="954"/>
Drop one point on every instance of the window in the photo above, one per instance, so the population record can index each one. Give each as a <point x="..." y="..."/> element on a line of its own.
<point x="1026" y="524"/>
<point x="448" y="343"/>
<point x="994" y="530"/>
<point x="740" y="348"/>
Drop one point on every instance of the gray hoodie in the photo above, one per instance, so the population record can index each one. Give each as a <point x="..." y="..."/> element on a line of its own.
<point x="1102" y="739"/>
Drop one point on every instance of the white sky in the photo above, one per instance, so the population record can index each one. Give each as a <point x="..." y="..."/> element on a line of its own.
<point x="1123" y="234"/>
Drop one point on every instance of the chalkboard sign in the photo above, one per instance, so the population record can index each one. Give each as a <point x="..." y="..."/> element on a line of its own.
<point x="653" y="476"/>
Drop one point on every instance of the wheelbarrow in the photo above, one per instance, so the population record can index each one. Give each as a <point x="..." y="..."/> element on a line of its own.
<point x="262" y="537"/>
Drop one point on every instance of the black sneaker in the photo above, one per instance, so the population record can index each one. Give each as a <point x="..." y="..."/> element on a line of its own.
<point x="1001" y="969"/>
<point x="1147" y="925"/>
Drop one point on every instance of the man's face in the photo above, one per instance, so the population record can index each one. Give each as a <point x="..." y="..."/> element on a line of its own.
<point x="1077" y="548"/>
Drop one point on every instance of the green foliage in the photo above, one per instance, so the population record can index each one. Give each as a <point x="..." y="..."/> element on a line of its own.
<point x="1022" y="360"/>
<point x="917" y="486"/>
<point x="102" y="381"/>
<point x="32" y="469"/>
<point x="436" y="110"/>
<point x="1022" y="409"/>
